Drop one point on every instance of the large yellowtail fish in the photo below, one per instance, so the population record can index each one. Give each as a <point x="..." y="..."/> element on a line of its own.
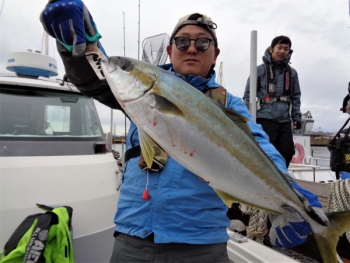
<point x="213" y="143"/>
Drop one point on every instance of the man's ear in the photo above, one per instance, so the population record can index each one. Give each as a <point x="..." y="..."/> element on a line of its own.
<point x="168" y="50"/>
<point x="217" y="52"/>
<point x="270" y="49"/>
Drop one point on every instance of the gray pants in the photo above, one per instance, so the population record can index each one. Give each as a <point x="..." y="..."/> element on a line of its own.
<point x="136" y="250"/>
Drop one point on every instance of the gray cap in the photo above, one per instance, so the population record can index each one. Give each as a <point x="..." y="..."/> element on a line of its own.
<point x="197" y="20"/>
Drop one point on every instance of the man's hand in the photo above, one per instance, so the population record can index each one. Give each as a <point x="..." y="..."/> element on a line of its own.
<point x="297" y="125"/>
<point x="70" y="22"/>
<point x="290" y="229"/>
<point x="311" y="203"/>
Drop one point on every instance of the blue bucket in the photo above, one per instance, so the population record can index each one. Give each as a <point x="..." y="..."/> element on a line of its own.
<point x="344" y="175"/>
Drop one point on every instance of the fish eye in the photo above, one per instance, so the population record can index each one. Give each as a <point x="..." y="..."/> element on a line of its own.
<point x="125" y="64"/>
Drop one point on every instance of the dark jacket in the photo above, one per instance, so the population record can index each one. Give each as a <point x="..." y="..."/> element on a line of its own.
<point x="278" y="111"/>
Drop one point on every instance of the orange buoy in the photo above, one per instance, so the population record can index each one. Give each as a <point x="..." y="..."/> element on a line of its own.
<point x="299" y="155"/>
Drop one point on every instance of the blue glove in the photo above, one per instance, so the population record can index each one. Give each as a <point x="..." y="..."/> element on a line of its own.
<point x="290" y="229"/>
<point x="311" y="203"/>
<point x="70" y="22"/>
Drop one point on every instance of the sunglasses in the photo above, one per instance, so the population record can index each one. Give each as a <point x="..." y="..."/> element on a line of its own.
<point x="201" y="44"/>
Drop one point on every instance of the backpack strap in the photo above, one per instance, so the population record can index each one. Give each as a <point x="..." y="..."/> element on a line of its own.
<point x="219" y="95"/>
<point x="271" y="82"/>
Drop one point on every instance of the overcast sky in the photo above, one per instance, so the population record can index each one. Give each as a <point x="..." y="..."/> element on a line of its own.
<point x="319" y="30"/>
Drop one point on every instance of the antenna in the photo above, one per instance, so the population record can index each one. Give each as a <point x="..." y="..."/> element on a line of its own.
<point x="45" y="45"/>
<point x="123" y="151"/>
<point x="253" y="72"/>
<point x="124" y="30"/>
<point x="138" y="41"/>
<point x="2" y="5"/>
<point x="110" y="140"/>
<point x="220" y="77"/>
<point x="111" y="108"/>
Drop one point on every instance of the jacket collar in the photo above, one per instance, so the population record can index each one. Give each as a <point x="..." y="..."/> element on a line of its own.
<point x="196" y="81"/>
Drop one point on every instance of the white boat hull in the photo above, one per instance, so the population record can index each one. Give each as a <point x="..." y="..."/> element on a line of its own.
<point x="87" y="183"/>
<point x="250" y="251"/>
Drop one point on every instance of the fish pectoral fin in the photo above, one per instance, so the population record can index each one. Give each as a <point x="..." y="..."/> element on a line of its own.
<point x="165" y="105"/>
<point x="151" y="151"/>
<point x="239" y="120"/>
<point x="225" y="197"/>
<point x="147" y="149"/>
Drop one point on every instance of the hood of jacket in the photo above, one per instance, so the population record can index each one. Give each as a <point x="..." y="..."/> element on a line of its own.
<point x="267" y="55"/>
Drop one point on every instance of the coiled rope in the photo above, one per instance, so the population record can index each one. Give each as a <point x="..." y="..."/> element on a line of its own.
<point x="339" y="198"/>
<point x="257" y="227"/>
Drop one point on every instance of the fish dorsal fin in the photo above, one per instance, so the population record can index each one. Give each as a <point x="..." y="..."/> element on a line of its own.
<point x="240" y="120"/>
<point x="147" y="147"/>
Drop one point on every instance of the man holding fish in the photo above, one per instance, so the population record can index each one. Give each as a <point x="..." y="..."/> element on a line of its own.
<point x="171" y="205"/>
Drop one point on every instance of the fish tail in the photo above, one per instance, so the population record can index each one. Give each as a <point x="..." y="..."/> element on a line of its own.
<point x="327" y="241"/>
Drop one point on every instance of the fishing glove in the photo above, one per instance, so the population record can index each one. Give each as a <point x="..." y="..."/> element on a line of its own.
<point x="290" y="229"/>
<point x="311" y="203"/>
<point x="71" y="24"/>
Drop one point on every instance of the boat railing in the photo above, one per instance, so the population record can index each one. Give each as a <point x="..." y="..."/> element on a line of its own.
<point x="315" y="160"/>
<point x="294" y="167"/>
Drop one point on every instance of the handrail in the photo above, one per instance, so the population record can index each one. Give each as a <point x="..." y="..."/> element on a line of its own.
<point x="303" y="166"/>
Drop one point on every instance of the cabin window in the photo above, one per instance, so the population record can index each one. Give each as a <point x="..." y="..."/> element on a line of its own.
<point x="30" y="112"/>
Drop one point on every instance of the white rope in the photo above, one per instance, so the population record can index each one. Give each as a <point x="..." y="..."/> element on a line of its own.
<point x="257" y="227"/>
<point x="339" y="197"/>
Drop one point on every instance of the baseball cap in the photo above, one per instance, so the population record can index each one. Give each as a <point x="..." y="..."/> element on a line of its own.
<point x="197" y="20"/>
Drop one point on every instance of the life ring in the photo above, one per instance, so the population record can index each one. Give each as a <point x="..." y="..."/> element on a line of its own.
<point x="299" y="155"/>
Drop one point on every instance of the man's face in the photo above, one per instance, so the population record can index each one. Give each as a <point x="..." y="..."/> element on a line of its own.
<point x="192" y="61"/>
<point x="280" y="51"/>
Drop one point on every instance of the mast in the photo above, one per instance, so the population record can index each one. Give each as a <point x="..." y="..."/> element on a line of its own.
<point x="123" y="150"/>
<point x="253" y="73"/>
<point x="111" y="132"/>
<point x="124" y="30"/>
<point x="138" y="41"/>
<point x="220" y="77"/>
<point x="46" y="44"/>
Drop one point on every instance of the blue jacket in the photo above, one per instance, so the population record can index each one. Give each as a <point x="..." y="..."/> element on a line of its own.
<point x="181" y="207"/>
<point x="279" y="110"/>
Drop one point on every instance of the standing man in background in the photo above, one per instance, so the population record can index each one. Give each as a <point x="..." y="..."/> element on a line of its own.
<point x="278" y="93"/>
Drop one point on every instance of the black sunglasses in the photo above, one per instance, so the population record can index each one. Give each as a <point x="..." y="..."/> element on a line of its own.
<point x="201" y="44"/>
